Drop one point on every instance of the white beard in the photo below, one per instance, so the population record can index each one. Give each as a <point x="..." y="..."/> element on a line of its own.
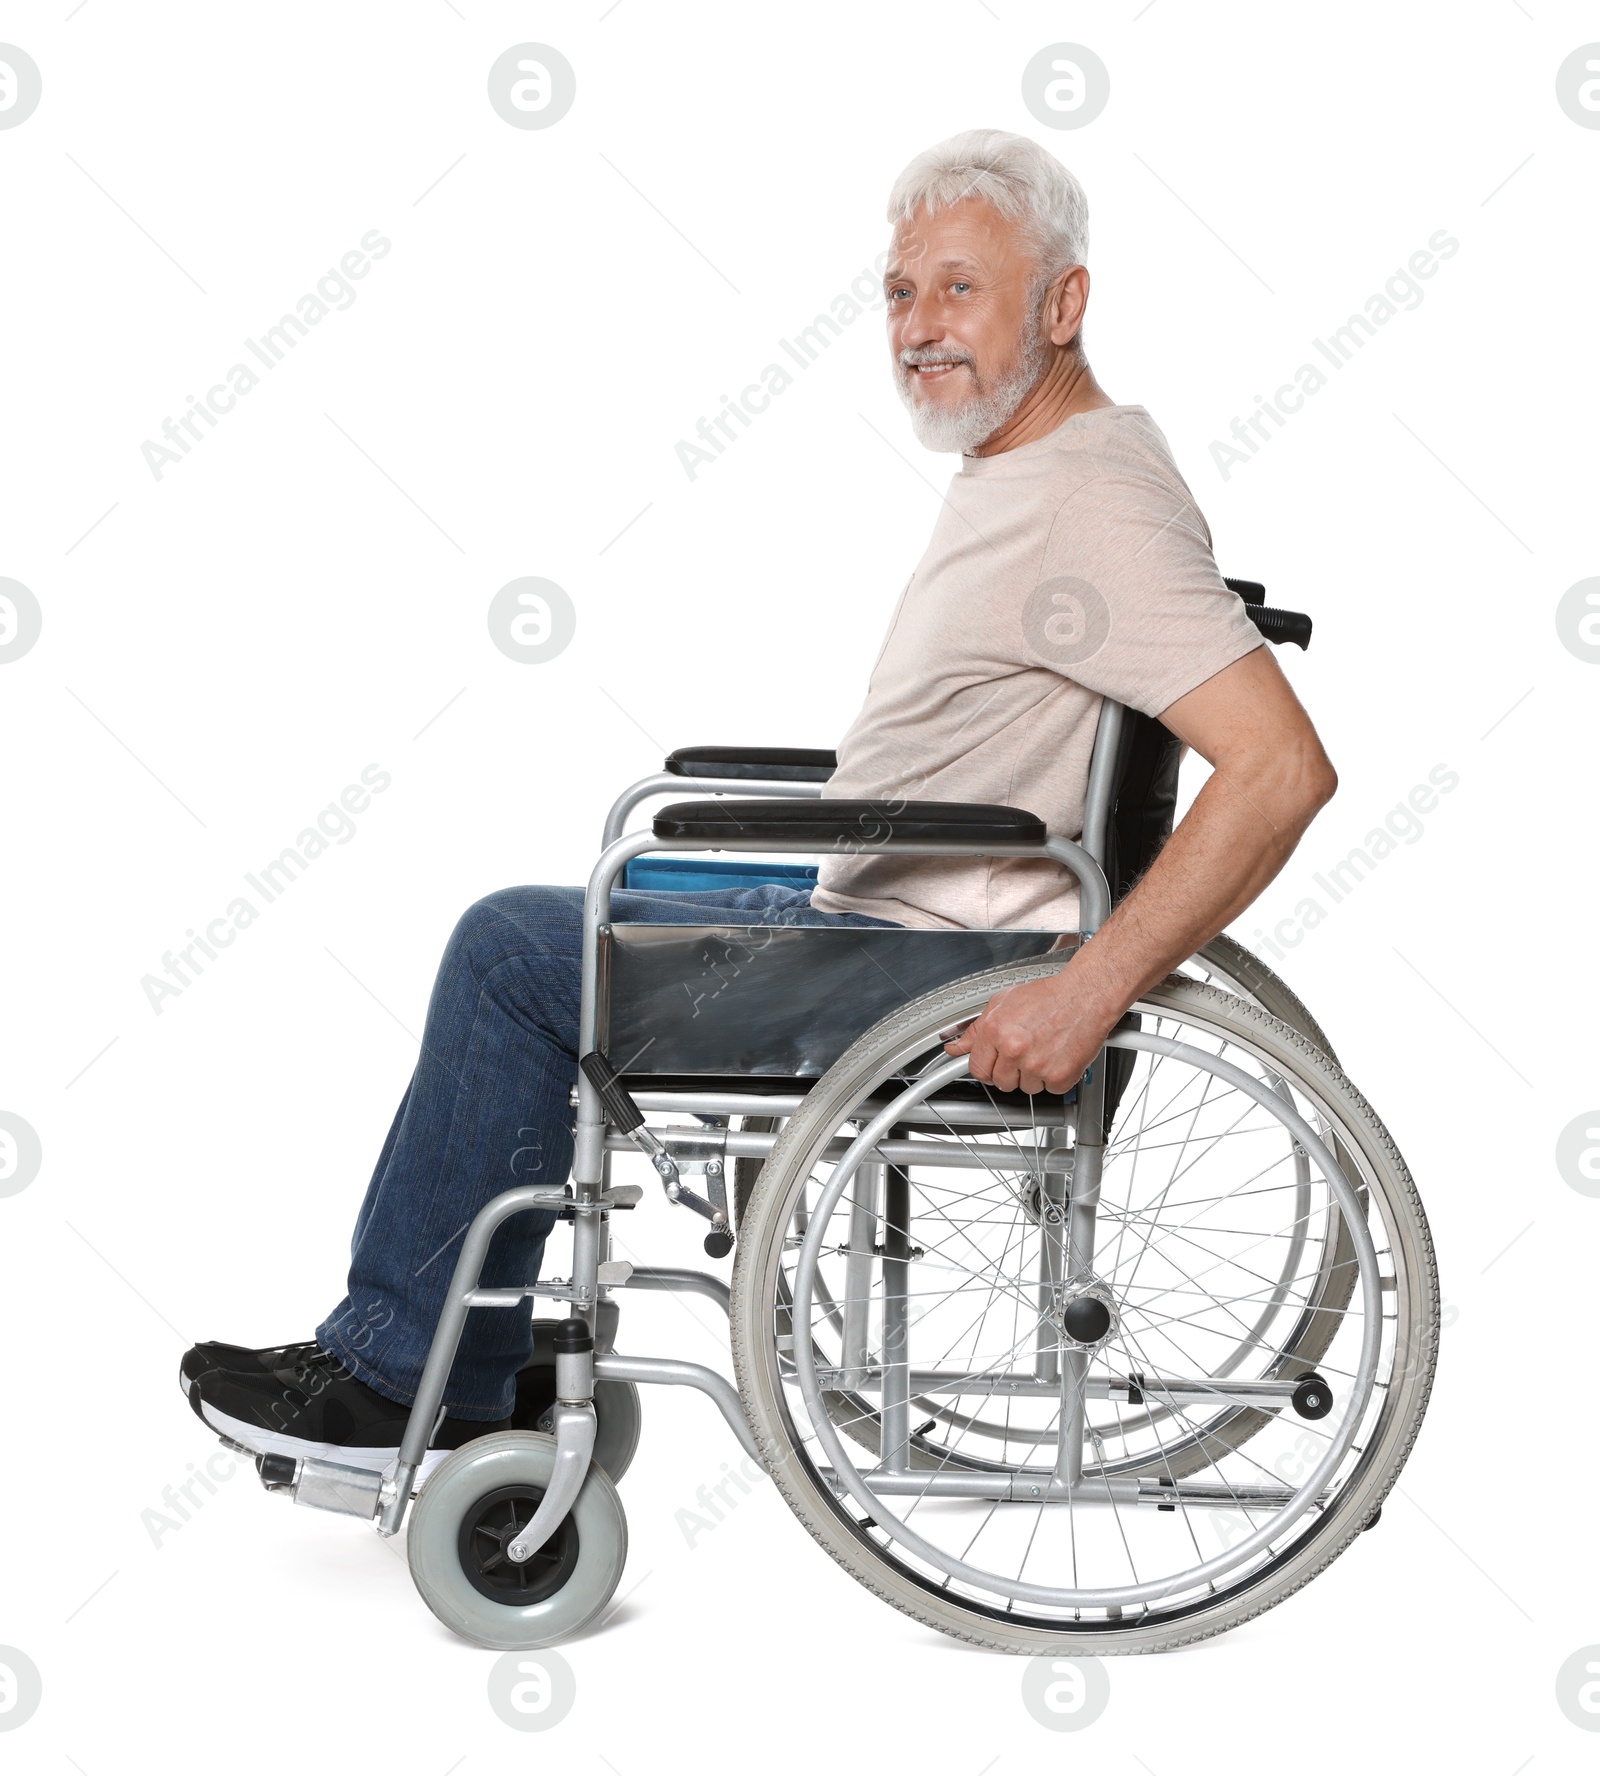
<point x="962" y="429"/>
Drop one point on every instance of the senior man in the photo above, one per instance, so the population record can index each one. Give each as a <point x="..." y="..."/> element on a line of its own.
<point x="1069" y="564"/>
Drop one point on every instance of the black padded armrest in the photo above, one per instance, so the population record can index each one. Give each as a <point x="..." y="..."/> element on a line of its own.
<point x="765" y="764"/>
<point x="829" y="822"/>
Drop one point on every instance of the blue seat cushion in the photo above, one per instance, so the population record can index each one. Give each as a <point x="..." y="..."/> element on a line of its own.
<point x="695" y="875"/>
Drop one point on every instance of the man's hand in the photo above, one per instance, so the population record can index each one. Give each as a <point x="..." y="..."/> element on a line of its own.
<point x="1269" y="778"/>
<point x="1038" y="1037"/>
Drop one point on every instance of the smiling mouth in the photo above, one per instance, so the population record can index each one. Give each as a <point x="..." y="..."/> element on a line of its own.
<point x="936" y="371"/>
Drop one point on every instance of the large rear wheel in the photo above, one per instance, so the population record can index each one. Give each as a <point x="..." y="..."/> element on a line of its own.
<point x="1112" y="1399"/>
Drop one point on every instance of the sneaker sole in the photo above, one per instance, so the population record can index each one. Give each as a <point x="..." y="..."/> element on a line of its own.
<point x="253" y="1440"/>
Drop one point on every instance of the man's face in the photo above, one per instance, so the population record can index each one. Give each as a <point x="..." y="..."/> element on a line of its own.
<point x="966" y="338"/>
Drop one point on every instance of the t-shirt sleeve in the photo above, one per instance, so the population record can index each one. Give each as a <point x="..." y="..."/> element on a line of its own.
<point x="1129" y="602"/>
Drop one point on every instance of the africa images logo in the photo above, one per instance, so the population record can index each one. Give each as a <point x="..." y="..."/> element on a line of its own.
<point x="335" y="290"/>
<point x="1402" y="293"/>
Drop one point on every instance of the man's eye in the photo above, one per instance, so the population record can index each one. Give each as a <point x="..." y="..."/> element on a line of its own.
<point x="961" y="289"/>
<point x="897" y="292"/>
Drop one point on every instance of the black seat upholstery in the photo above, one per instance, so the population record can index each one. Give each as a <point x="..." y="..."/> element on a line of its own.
<point x="843" y="822"/>
<point x="776" y="1001"/>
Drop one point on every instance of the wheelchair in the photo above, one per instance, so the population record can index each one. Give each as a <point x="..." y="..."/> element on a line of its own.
<point x="1097" y="1373"/>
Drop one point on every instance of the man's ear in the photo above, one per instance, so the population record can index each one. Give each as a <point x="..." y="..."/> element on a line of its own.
<point x="1068" y="298"/>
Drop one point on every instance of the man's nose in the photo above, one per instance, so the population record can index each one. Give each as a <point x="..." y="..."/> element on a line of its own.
<point x="922" y="323"/>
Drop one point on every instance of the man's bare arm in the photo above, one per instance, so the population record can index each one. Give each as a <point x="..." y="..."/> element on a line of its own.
<point x="1269" y="777"/>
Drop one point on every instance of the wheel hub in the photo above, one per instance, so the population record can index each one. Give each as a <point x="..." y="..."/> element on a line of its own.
<point x="1086" y="1317"/>
<point x="1048" y="1208"/>
<point x="489" y="1529"/>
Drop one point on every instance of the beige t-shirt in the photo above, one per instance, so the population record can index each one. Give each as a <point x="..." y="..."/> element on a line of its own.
<point x="1066" y="571"/>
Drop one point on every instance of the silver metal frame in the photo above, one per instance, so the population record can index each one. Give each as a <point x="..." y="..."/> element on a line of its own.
<point x="590" y="1202"/>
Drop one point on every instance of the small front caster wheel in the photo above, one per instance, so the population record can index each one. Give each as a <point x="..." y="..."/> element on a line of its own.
<point x="468" y="1513"/>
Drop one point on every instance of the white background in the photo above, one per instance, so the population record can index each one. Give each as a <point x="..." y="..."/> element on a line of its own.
<point x="225" y="648"/>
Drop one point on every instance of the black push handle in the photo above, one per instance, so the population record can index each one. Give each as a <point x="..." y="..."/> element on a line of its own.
<point x="1280" y="626"/>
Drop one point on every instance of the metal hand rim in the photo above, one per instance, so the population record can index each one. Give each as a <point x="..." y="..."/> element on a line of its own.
<point x="822" y="1424"/>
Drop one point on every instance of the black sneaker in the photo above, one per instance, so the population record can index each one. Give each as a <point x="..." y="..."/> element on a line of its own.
<point x="296" y="1399"/>
<point x="240" y="1361"/>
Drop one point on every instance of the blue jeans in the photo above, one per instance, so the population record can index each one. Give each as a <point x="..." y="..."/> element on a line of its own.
<point x="487" y="1110"/>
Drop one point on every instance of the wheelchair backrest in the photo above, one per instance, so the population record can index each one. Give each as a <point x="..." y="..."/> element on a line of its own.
<point x="1145" y="800"/>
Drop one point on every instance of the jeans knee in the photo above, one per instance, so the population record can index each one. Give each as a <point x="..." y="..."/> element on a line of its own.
<point x="512" y="917"/>
<point x="512" y="942"/>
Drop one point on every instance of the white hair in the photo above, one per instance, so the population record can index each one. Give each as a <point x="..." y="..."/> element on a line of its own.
<point x="1015" y="176"/>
